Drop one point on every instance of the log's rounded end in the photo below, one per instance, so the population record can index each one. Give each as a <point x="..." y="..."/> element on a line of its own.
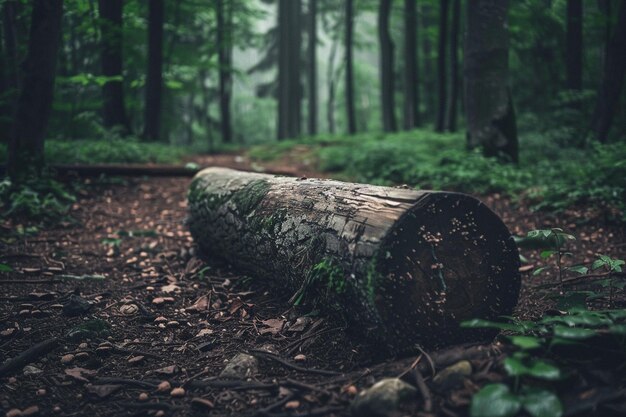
<point x="448" y="259"/>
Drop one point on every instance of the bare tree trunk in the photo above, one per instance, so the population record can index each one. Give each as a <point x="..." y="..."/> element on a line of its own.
<point x="574" y="51"/>
<point x="489" y="108"/>
<point x="224" y="45"/>
<point x="386" y="64"/>
<point x="428" y="77"/>
<point x="114" y="111"/>
<point x="289" y="88"/>
<point x="349" y="68"/>
<point x="442" y="74"/>
<point x="454" y="65"/>
<point x="330" y="76"/>
<point x="312" y="73"/>
<point x="411" y="98"/>
<point x="9" y="68"/>
<point x="26" y="146"/>
<point x="154" y="80"/>
<point x="612" y="78"/>
<point x="405" y="267"/>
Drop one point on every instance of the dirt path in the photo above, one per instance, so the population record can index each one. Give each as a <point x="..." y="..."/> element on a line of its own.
<point x="161" y="314"/>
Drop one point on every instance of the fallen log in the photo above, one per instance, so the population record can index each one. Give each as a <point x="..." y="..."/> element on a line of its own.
<point x="405" y="267"/>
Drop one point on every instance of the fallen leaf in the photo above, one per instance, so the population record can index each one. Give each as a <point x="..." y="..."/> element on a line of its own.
<point x="170" y="288"/>
<point x="300" y="324"/>
<point x="167" y="370"/>
<point x="136" y="359"/>
<point x="201" y="304"/>
<point x="79" y="374"/>
<point x="274" y="326"/>
<point x="202" y="402"/>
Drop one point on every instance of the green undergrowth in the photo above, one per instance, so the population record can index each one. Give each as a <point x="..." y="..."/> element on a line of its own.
<point x="552" y="175"/>
<point x="114" y="150"/>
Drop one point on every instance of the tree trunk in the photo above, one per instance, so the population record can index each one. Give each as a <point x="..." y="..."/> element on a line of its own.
<point x="312" y="73"/>
<point x="454" y="66"/>
<point x="403" y="266"/>
<point x="9" y="68"/>
<point x="612" y="79"/>
<point x="114" y="110"/>
<point x="330" y="77"/>
<point x="154" y="81"/>
<point x="428" y="77"/>
<point x="489" y="108"/>
<point x="289" y="94"/>
<point x="26" y="145"/>
<point x="225" y="50"/>
<point x="441" y="66"/>
<point x="574" y="51"/>
<point x="349" y="68"/>
<point x="386" y="64"/>
<point x="411" y="100"/>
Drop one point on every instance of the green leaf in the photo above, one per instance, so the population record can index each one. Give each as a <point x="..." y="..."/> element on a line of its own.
<point x="481" y="324"/>
<point x="598" y="263"/>
<point x="575" y="333"/>
<point x="5" y="268"/>
<point x="573" y="299"/>
<point x="526" y="342"/>
<point x="541" y="403"/>
<point x="540" y="270"/>
<point x="580" y="269"/>
<point x="544" y="370"/>
<point x="547" y="253"/>
<point x="619" y="329"/>
<point x="515" y="367"/>
<point x="495" y="400"/>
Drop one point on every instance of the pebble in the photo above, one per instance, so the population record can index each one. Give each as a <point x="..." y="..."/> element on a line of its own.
<point x="351" y="390"/>
<point x="159" y="413"/>
<point x="41" y="392"/>
<point x="31" y="370"/>
<point x="164" y="386"/>
<point x="14" y="412"/>
<point x="383" y="398"/>
<point x="136" y="359"/>
<point x="178" y="392"/>
<point x="241" y="365"/>
<point x="82" y="355"/>
<point x="453" y="375"/>
<point x="65" y="359"/>
<point x="143" y="396"/>
<point x="160" y="319"/>
<point x="129" y="309"/>
<point x="299" y="358"/>
<point x="292" y="405"/>
<point x="83" y="346"/>
<point x="172" y="323"/>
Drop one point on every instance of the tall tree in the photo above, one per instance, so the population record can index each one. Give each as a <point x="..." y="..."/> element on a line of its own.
<point x="225" y="53"/>
<point x="312" y="72"/>
<point x="454" y="65"/>
<point x="489" y="108"/>
<point x="574" y="48"/>
<point x="386" y="64"/>
<point x="114" y="110"/>
<point x="34" y="104"/>
<point x="289" y="89"/>
<point x="411" y="96"/>
<point x="349" y="26"/>
<point x="427" y="76"/>
<point x="612" y="78"/>
<point x="154" y="80"/>
<point x="8" y="68"/>
<point x="441" y="66"/>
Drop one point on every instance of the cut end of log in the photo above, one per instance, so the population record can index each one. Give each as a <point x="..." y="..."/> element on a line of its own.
<point x="448" y="259"/>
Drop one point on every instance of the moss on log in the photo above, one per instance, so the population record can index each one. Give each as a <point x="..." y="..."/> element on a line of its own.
<point x="405" y="267"/>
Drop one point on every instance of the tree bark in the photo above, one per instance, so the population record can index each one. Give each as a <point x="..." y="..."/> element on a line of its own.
<point x="26" y="145"/>
<point x="574" y="49"/>
<point x="488" y="106"/>
<point x="154" y="81"/>
<point x="612" y="78"/>
<point x="428" y="77"/>
<point x="114" y="110"/>
<point x="312" y="73"/>
<point x="454" y="66"/>
<point x="349" y="68"/>
<point x="289" y="94"/>
<point x="411" y="95"/>
<point x="10" y="79"/>
<point x="386" y="65"/>
<point x="442" y="74"/>
<point x="225" y="51"/>
<point x="403" y="266"/>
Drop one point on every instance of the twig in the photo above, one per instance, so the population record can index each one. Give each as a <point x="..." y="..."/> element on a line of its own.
<point x="423" y="389"/>
<point x="266" y="411"/>
<point x="29" y="355"/>
<point x="268" y="355"/>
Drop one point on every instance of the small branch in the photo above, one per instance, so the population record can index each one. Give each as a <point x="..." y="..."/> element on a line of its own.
<point x="29" y="355"/>
<point x="423" y="389"/>
<point x="267" y="355"/>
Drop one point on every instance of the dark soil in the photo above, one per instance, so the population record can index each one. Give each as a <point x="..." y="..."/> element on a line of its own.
<point x="144" y="331"/>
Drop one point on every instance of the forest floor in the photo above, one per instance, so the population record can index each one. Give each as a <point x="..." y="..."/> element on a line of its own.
<point x="129" y="313"/>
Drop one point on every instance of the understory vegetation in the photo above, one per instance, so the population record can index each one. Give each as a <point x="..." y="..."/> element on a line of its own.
<point x="550" y="175"/>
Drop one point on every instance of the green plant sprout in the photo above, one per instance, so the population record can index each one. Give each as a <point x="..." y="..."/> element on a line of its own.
<point x="611" y="265"/>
